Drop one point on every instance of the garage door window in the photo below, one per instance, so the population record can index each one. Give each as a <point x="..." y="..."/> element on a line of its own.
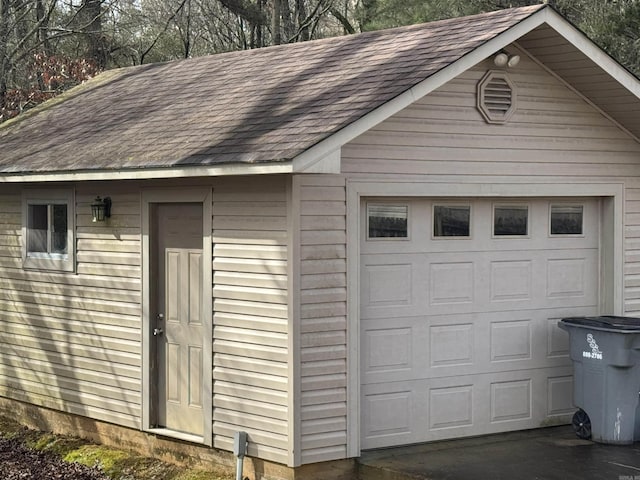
<point x="510" y="220"/>
<point x="566" y="220"/>
<point x="451" y="220"/>
<point x="387" y="221"/>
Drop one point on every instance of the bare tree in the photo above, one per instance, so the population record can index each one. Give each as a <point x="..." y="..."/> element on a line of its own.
<point x="22" y="26"/>
<point x="91" y="36"/>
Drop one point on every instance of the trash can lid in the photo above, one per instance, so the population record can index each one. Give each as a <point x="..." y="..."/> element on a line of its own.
<point x="606" y="321"/>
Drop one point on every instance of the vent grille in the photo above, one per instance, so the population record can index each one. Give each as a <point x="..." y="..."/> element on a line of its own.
<point x="496" y="97"/>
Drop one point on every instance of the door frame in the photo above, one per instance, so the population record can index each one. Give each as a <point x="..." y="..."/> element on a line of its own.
<point x="189" y="194"/>
<point x="611" y="252"/>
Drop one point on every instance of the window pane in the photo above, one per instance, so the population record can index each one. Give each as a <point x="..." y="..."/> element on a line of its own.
<point x="510" y="220"/>
<point x="48" y="230"/>
<point x="59" y="227"/>
<point x="388" y="221"/>
<point x="37" y="225"/>
<point x="451" y="221"/>
<point x="566" y="220"/>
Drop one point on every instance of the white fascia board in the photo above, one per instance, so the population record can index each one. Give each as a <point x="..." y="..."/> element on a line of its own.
<point x="329" y="163"/>
<point x="322" y="150"/>
<point x="598" y="56"/>
<point x="151" y="173"/>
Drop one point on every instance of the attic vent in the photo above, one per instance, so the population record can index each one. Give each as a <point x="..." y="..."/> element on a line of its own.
<point x="496" y="97"/>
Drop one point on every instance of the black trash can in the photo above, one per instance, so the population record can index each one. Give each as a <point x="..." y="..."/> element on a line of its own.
<point x="606" y="356"/>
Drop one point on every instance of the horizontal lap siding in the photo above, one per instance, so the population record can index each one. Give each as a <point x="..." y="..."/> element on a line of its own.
<point x="553" y="132"/>
<point x="71" y="341"/>
<point x="250" y="347"/>
<point x="553" y="136"/>
<point x="632" y="248"/>
<point x="323" y="350"/>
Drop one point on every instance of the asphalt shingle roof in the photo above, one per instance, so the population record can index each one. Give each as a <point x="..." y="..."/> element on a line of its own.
<point x="266" y="105"/>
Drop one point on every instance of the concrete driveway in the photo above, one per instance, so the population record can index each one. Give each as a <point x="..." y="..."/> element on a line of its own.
<point x="545" y="454"/>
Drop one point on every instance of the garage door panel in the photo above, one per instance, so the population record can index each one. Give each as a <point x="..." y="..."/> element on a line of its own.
<point x="401" y="413"/>
<point x="559" y="396"/>
<point x="393" y="349"/>
<point x="416" y="399"/>
<point x="450" y="283"/>
<point x="511" y="340"/>
<point x="410" y="348"/>
<point x="511" y="400"/>
<point x="572" y="277"/>
<point x="499" y="283"/>
<point x="558" y="339"/>
<point x="450" y="407"/>
<point x="452" y="345"/>
<point x="389" y="416"/>
<point x="511" y="280"/>
<point x="455" y="282"/>
<point x="392" y="286"/>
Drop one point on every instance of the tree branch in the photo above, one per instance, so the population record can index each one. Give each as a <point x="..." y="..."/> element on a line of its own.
<point x="343" y="20"/>
<point x="250" y="12"/>
<point x="166" y="27"/>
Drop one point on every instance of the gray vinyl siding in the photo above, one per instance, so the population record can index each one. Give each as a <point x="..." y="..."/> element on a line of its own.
<point x="69" y="341"/>
<point x="72" y="341"/>
<point x="323" y="341"/>
<point x="632" y="248"/>
<point x="250" y="347"/>
<point x="554" y="136"/>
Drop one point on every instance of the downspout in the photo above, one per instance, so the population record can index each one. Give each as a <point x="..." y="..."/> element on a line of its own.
<point x="239" y="450"/>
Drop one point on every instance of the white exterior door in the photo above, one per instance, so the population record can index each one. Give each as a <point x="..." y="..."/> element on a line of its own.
<point x="180" y="332"/>
<point x="460" y="301"/>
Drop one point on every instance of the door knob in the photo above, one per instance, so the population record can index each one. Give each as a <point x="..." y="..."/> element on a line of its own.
<point x="157" y="331"/>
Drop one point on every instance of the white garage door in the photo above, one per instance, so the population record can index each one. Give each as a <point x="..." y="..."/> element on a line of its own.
<point x="459" y="308"/>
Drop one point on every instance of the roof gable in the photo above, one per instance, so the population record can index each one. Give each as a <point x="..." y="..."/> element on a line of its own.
<point x="278" y="109"/>
<point x="571" y="56"/>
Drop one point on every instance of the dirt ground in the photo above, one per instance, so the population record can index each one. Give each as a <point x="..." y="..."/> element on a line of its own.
<point x="33" y="455"/>
<point x="18" y="462"/>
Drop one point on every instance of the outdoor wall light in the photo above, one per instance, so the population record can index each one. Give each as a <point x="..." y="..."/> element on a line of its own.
<point x="101" y="209"/>
<point x="503" y="59"/>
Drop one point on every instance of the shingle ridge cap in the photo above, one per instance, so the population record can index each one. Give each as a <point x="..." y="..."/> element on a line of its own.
<point x="444" y="21"/>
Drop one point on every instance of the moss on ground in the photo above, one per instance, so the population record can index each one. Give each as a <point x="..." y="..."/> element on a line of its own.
<point x="116" y="464"/>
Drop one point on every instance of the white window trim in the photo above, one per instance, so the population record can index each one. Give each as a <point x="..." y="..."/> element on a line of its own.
<point x="54" y="261"/>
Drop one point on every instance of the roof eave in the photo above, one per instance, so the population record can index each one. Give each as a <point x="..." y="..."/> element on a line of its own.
<point x="601" y="58"/>
<point x="151" y="173"/>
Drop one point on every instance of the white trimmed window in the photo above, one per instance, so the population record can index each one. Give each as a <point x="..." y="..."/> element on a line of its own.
<point x="47" y="230"/>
